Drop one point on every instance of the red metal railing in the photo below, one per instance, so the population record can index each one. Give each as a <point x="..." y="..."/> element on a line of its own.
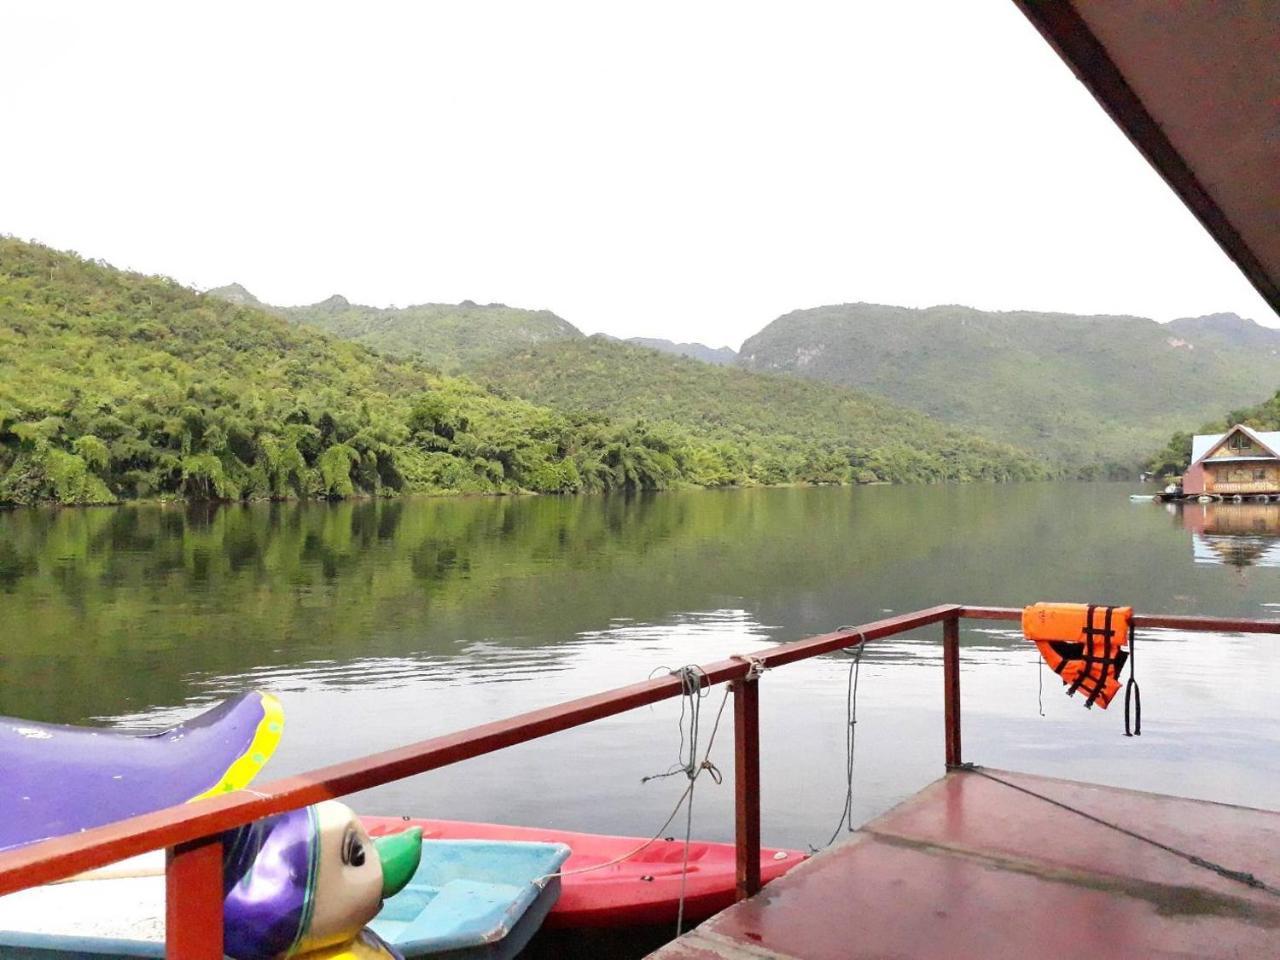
<point x="190" y="833"/>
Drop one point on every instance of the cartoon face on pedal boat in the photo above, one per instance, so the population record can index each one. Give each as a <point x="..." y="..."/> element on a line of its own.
<point x="304" y="884"/>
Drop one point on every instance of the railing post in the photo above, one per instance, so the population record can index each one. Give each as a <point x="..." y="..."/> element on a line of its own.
<point x="951" y="687"/>
<point x="193" y="900"/>
<point x="746" y="782"/>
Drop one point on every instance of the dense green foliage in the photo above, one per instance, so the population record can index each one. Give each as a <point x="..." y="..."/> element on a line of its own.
<point x="1176" y="455"/>
<point x="445" y="336"/>
<point x="1080" y="390"/>
<point x="115" y="386"/>
<point x="760" y="428"/>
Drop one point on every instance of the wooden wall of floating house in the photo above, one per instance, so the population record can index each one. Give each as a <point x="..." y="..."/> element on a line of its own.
<point x="1228" y="479"/>
<point x="1193" y="479"/>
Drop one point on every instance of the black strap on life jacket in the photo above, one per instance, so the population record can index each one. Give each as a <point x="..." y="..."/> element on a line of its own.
<point x="1108" y="634"/>
<point x="1132" y="695"/>
<point x="1109" y="662"/>
<point x="1089" y="659"/>
<point x="1086" y="651"/>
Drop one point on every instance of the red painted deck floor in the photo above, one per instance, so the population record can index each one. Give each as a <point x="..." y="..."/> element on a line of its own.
<point x="973" y="868"/>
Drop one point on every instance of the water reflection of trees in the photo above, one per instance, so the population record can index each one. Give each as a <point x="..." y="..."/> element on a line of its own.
<point x="112" y="610"/>
<point x="108" y="611"/>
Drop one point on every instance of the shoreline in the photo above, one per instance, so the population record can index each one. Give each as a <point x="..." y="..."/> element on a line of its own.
<point x="476" y="495"/>
<point x="455" y="495"/>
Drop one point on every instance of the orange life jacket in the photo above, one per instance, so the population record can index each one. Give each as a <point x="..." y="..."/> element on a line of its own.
<point x="1085" y="644"/>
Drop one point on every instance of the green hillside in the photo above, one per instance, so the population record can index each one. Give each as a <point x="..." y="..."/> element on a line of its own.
<point x="115" y="385"/>
<point x="1227" y="330"/>
<point x="786" y="428"/>
<point x="1079" y="390"/>
<point x="1176" y="455"/>
<point x="448" y="337"/>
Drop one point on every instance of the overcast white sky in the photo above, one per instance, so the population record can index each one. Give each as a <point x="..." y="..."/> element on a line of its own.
<point x="687" y="170"/>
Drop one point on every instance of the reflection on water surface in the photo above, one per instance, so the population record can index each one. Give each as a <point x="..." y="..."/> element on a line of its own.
<point x="1236" y="534"/>
<point x="378" y="623"/>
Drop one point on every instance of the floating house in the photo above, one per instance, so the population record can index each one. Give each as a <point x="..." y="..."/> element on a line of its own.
<point x="1240" y="462"/>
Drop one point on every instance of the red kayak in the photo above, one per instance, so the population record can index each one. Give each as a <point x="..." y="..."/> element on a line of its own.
<point x="644" y="889"/>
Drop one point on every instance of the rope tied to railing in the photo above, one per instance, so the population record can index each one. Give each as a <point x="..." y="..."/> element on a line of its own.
<point x="693" y="692"/>
<point x="755" y="666"/>
<point x="695" y="687"/>
<point x="850" y="737"/>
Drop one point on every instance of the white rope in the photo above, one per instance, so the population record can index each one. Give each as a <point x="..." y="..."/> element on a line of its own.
<point x="850" y="740"/>
<point x="626" y="856"/>
<point x="755" y="666"/>
<point x="1040" y="665"/>
<point x="694" y="690"/>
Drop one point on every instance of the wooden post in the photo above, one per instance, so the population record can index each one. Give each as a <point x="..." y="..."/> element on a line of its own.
<point x="193" y="900"/>
<point x="951" y="688"/>
<point x="746" y="783"/>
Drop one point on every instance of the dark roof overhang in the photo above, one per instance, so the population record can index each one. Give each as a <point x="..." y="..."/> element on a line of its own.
<point x="1196" y="87"/>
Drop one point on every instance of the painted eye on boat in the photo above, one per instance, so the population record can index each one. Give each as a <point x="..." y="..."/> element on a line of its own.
<point x="352" y="849"/>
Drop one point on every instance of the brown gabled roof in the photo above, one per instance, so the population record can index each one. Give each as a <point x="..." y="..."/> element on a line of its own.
<point x="1196" y="86"/>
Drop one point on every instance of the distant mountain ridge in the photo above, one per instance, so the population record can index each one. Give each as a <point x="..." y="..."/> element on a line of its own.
<point x="235" y="293"/>
<point x="438" y="334"/>
<point x="1228" y="329"/>
<point x="721" y="356"/>
<point x="1081" y="391"/>
<point x="779" y="423"/>
<point x="449" y="337"/>
<point x="1077" y="389"/>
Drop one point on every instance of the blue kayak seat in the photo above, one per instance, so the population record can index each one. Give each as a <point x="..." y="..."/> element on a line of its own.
<point x="473" y="899"/>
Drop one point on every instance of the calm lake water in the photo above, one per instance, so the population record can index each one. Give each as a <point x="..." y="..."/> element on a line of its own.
<point x="379" y="623"/>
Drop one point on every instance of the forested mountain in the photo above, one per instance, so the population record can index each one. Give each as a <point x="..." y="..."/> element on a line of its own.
<point x="1076" y="389"/>
<point x="115" y="385"/>
<point x="449" y="337"/>
<point x="235" y="293"/>
<point x="763" y="428"/>
<point x="1227" y="330"/>
<point x="697" y="351"/>
<point x="1176" y="455"/>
